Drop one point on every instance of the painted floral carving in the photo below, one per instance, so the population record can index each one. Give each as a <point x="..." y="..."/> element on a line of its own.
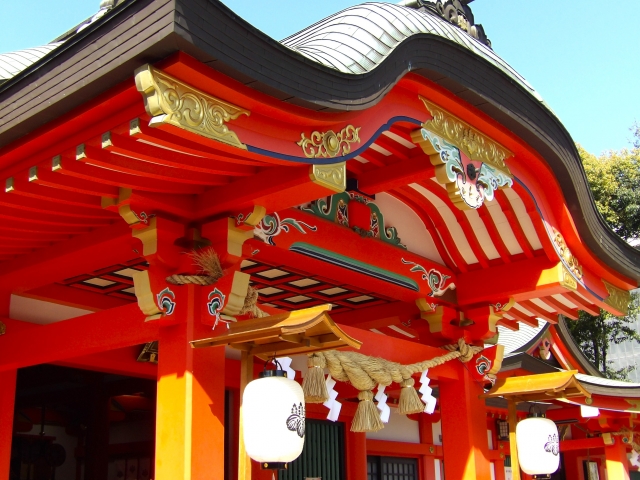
<point x="347" y="209"/>
<point x="469" y="182"/>
<point x="437" y="281"/>
<point x="166" y="301"/>
<point x="271" y="226"/>
<point x="215" y="304"/>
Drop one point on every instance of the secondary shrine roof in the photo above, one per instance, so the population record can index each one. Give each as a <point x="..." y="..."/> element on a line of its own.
<point x="14" y="62"/>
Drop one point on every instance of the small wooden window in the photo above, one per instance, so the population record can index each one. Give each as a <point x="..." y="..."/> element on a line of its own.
<point x="392" y="468"/>
<point x="502" y="430"/>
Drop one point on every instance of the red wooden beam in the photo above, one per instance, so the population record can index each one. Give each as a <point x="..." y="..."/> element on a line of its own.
<point x="472" y="287"/>
<point x="402" y="449"/>
<point x="397" y="175"/>
<point x="86" y="253"/>
<point x="401" y="351"/>
<point x="275" y="188"/>
<point x="581" y="444"/>
<point x="75" y="297"/>
<point x="122" y="361"/>
<point x="97" y="332"/>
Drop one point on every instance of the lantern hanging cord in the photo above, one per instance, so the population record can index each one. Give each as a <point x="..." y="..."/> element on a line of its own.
<point x="209" y="272"/>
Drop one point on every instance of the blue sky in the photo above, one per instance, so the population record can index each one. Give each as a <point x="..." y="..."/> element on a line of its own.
<point x="579" y="57"/>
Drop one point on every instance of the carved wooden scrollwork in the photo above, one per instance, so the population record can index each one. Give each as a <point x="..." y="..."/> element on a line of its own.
<point x="169" y="100"/>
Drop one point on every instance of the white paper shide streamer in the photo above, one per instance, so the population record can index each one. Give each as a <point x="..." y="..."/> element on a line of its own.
<point x="285" y="363"/>
<point x="332" y="404"/>
<point x="385" y="410"/>
<point x="425" y="390"/>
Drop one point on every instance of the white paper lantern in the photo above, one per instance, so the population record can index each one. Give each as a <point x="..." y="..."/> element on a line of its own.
<point x="538" y="446"/>
<point x="273" y="417"/>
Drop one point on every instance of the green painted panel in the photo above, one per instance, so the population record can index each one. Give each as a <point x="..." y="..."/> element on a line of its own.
<point x="323" y="453"/>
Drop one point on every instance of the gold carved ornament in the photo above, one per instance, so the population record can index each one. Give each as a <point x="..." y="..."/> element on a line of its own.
<point x="333" y="176"/>
<point x="171" y="101"/>
<point x="473" y="143"/>
<point x="618" y="298"/>
<point x="565" y="254"/>
<point x="329" y="144"/>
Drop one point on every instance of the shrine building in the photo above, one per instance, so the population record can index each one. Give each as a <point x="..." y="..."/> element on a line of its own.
<point x="379" y="202"/>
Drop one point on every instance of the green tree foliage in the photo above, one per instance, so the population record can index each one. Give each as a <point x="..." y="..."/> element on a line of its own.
<point x="595" y="334"/>
<point x="614" y="178"/>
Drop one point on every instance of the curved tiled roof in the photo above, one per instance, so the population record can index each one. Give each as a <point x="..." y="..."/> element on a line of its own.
<point x="514" y="342"/>
<point x="358" y="39"/>
<point x="14" y="62"/>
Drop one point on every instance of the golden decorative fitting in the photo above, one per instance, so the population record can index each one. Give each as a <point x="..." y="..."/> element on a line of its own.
<point x="8" y="185"/>
<point x="565" y="254"/>
<point x="567" y="279"/>
<point x="3" y="328"/>
<point x="329" y="144"/>
<point x="332" y="176"/>
<point x="476" y="145"/>
<point x="618" y="298"/>
<point x="174" y="102"/>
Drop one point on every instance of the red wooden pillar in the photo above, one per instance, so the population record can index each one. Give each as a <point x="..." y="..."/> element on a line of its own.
<point x="190" y="410"/>
<point x="356" y="454"/>
<point x="617" y="462"/>
<point x="464" y="428"/>
<point x="7" y="401"/>
<point x="426" y="436"/>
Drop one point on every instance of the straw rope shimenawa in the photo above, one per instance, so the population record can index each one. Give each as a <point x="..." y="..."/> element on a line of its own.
<point x="209" y="272"/>
<point x="365" y="372"/>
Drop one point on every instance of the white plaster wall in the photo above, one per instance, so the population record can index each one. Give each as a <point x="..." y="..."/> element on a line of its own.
<point x="399" y="429"/>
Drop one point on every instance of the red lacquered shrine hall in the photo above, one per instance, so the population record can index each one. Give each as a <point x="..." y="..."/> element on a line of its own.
<point x="186" y="197"/>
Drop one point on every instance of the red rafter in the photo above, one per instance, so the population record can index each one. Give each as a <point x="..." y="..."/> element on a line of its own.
<point x="494" y="234"/>
<point x="461" y="218"/>
<point x="73" y="168"/>
<point x="431" y="228"/>
<point x="539" y="311"/>
<point x="561" y="307"/>
<point x="133" y="166"/>
<point x="170" y="158"/>
<point x="516" y="227"/>
<point x="441" y="227"/>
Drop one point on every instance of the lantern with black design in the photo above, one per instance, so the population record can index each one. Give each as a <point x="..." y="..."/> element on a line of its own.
<point x="273" y="412"/>
<point x="538" y="445"/>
